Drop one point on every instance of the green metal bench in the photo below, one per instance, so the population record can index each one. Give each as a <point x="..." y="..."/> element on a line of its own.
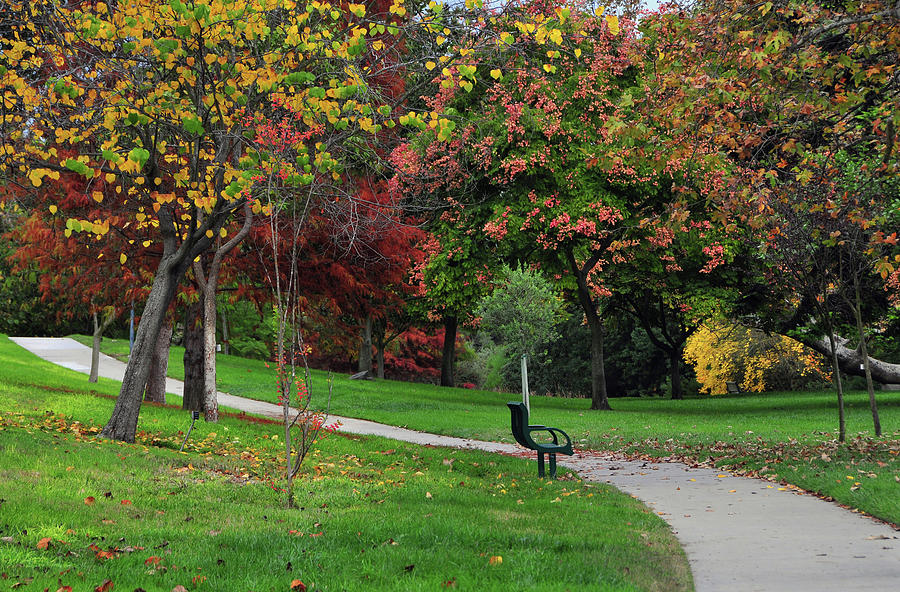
<point x="522" y="433"/>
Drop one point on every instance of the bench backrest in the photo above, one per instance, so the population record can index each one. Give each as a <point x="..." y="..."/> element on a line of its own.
<point x="519" y="422"/>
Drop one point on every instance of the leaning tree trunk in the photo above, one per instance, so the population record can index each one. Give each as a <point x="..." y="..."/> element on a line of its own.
<point x="448" y="355"/>
<point x="193" y="358"/>
<point x="99" y="329"/>
<point x="156" y="382"/>
<point x="851" y="360"/>
<point x="122" y="425"/>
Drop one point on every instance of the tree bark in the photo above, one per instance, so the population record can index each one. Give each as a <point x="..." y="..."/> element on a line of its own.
<point x="448" y="355"/>
<point x="193" y="358"/>
<point x="675" y="374"/>
<point x="599" y="396"/>
<point x="208" y="284"/>
<point x="379" y="357"/>
<point x="851" y="360"/>
<point x="122" y="424"/>
<point x="226" y="349"/>
<point x="839" y="387"/>
<point x="365" y="347"/>
<point x="99" y="329"/>
<point x="864" y="354"/>
<point x="210" y="391"/>
<point x="156" y="382"/>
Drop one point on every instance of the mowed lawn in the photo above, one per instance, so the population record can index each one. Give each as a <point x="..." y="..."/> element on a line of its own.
<point x="786" y="437"/>
<point x="81" y="513"/>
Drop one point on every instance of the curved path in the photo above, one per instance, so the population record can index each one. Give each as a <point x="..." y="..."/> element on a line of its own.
<point x="740" y="535"/>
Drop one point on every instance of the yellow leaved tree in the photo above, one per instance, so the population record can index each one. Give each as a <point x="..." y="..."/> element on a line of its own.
<point x="755" y="361"/>
<point x="153" y="102"/>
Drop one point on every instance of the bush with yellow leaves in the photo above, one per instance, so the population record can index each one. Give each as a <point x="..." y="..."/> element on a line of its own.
<point x="722" y="352"/>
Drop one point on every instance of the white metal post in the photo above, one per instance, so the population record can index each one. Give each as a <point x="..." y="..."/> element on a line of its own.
<point x="525" y="383"/>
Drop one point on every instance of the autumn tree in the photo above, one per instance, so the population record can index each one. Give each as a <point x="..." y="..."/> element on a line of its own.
<point x="573" y="173"/>
<point x="75" y="269"/>
<point x="803" y="98"/>
<point x="805" y="104"/>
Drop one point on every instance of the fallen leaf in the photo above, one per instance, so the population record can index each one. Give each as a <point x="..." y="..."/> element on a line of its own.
<point x="179" y="588"/>
<point x="44" y="543"/>
<point x="495" y="560"/>
<point x="298" y="585"/>
<point x="126" y="502"/>
<point x="152" y="560"/>
<point x="106" y="586"/>
<point x="64" y="589"/>
<point x="89" y="500"/>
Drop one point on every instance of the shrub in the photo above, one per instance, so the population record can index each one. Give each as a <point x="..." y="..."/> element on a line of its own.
<point x="754" y="360"/>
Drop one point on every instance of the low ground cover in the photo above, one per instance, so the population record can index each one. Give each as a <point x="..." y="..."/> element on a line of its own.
<point x="786" y="437"/>
<point x="377" y="514"/>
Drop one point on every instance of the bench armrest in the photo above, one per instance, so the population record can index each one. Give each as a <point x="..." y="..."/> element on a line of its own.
<point x="553" y="432"/>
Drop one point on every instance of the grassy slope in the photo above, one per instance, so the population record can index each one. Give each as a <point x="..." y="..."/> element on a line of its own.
<point x="788" y="437"/>
<point x="377" y="514"/>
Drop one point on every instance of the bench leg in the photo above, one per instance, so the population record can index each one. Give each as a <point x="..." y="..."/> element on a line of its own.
<point x="540" y="464"/>
<point x="552" y="456"/>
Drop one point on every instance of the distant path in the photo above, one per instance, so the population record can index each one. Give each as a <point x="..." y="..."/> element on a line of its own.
<point x="740" y="535"/>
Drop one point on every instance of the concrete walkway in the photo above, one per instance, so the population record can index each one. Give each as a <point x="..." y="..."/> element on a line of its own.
<point x="740" y="535"/>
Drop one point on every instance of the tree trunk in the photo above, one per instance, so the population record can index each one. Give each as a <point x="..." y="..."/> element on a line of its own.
<point x="99" y="329"/>
<point x="156" y="382"/>
<point x="210" y="391"/>
<point x="379" y="358"/>
<point x="208" y="285"/>
<point x="365" y="347"/>
<point x="864" y="353"/>
<point x="193" y="358"/>
<point x="122" y="424"/>
<point x="851" y="360"/>
<point x="226" y="349"/>
<point x="95" y="352"/>
<point x="599" y="396"/>
<point x="675" y="374"/>
<point x="448" y="355"/>
<point x="839" y="387"/>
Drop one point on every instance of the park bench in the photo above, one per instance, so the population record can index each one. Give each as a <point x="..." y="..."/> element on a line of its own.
<point x="732" y="388"/>
<point x="522" y="433"/>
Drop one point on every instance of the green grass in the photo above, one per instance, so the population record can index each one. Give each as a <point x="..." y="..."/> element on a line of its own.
<point x="376" y="514"/>
<point x="787" y="437"/>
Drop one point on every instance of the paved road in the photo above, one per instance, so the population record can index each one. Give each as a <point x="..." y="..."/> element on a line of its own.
<point x="740" y="535"/>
